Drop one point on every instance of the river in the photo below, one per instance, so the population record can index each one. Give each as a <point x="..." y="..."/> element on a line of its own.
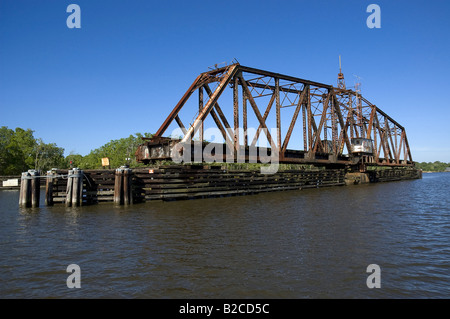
<point x="313" y="243"/>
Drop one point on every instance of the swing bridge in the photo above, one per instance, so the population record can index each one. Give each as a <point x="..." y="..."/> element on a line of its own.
<point x="302" y="121"/>
<point x="341" y="136"/>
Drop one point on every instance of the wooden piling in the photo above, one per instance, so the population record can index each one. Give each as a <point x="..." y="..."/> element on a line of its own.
<point x="25" y="190"/>
<point x="74" y="193"/>
<point x="49" y="188"/>
<point x="75" y="188"/>
<point x="69" y="188"/>
<point x="118" y="183"/>
<point x="22" y="185"/>
<point x="127" y="192"/>
<point x="122" y="187"/>
<point x="35" y="188"/>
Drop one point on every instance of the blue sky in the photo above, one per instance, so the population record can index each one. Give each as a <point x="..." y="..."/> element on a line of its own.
<point x="131" y="61"/>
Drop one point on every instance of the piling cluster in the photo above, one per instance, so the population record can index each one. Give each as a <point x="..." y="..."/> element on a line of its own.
<point x="29" y="189"/>
<point x="79" y="188"/>
<point x="74" y="193"/>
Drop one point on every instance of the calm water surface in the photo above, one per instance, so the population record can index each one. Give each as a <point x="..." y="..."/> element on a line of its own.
<point x="313" y="243"/>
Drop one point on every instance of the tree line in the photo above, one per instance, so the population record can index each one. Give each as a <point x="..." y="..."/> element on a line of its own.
<point x="21" y="151"/>
<point x="119" y="152"/>
<point x="433" y="166"/>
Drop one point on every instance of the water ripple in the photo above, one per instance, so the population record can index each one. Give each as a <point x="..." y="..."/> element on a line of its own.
<point x="314" y="243"/>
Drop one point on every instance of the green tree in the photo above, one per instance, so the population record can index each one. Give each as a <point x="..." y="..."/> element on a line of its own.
<point x="6" y="136"/>
<point x="17" y="150"/>
<point x="48" y="156"/>
<point x="20" y="151"/>
<point x="73" y="160"/>
<point x="120" y="152"/>
<point x="26" y="143"/>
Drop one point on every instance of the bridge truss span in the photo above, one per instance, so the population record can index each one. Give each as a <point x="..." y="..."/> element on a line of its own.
<point x="301" y="121"/>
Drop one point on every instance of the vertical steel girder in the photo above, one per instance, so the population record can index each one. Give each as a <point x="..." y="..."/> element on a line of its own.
<point x="330" y="117"/>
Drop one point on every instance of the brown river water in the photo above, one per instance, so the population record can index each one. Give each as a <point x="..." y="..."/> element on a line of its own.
<point x="314" y="243"/>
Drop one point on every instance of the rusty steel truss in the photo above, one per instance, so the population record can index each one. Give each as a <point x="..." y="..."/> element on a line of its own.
<point x="325" y="120"/>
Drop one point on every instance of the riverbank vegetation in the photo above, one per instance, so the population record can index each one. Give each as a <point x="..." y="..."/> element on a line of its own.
<point x="433" y="166"/>
<point x="119" y="152"/>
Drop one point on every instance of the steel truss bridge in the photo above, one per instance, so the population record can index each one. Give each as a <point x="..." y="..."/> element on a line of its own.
<point x="331" y="126"/>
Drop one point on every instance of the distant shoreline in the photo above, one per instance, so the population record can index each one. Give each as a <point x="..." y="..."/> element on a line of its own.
<point x="435" y="172"/>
